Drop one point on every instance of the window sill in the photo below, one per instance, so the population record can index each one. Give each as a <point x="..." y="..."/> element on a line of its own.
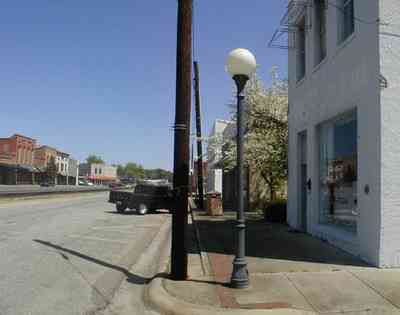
<point x="320" y="64"/>
<point x="344" y="43"/>
<point x="338" y="232"/>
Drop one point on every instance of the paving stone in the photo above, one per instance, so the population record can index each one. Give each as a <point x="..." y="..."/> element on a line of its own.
<point x="338" y="292"/>
<point x="386" y="282"/>
<point x="272" y="289"/>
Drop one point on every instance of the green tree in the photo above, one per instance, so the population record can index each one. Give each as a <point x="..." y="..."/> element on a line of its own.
<point x="266" y="139"/>
<point x="94" y="159"/>
<point x="120" y="170"/>
<point x="134" y="170"/>
<point x="158" y="173"/>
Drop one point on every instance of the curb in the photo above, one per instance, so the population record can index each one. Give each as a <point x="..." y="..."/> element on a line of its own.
<point x="166" y="304"/>
<point x="158" y="299"/>
<point x="109" y="282"/>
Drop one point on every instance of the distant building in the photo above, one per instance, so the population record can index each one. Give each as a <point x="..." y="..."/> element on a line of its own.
<point x="43" y="155"/>
<point x="229" y="177"/>
<point x="16" y="160"/>
<point x="195" y="175"/>
<point x="62" y="160"/>
<point x="214" y="156"/>
<point x="73" y="171"/>
<point x="98" y="173"/>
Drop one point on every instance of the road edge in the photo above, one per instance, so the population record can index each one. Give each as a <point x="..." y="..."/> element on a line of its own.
<point x="110" y="282"/>
<point x="165" y="304"/>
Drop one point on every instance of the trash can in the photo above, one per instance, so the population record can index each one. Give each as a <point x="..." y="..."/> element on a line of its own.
<point x="214" y="204"/>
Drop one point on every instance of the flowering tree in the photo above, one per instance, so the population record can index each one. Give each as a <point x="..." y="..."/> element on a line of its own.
<point x="266" y="136"/>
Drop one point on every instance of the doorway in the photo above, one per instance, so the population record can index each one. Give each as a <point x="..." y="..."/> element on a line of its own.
<point x="303" y="180"/>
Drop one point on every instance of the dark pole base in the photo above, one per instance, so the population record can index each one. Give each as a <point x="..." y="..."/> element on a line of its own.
<point x="240" y="274"/>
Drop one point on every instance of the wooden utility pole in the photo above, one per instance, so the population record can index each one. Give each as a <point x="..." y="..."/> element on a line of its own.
<point x="200" y="180"/>
<point x="182" y="134"/>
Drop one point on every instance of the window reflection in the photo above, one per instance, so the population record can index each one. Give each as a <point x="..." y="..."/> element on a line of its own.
<point x="338" y="172"/>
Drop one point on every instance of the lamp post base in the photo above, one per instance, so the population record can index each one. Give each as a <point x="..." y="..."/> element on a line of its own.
<point x="240" y="274"/>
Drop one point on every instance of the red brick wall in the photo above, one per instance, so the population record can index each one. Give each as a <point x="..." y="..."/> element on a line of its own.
<point x="8" y="151"/>
<point x="24" y="149"/>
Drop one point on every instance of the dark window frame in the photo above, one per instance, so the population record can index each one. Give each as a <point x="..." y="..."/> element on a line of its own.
<point x="346" y="20"/>
<point x="320" y="30"/>
<point x="301" y="49"/>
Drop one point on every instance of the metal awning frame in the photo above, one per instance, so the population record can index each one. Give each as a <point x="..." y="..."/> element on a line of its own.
<point x="285" y="36"/>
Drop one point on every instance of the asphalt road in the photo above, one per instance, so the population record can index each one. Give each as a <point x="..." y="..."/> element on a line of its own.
<point x="70" y="254"/>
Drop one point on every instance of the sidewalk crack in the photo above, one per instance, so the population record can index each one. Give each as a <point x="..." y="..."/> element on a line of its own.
<point x="314" y="308"/>
<point x="372" y="288"/>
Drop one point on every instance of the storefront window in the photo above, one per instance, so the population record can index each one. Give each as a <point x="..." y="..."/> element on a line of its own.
<point x="338" y="172"/>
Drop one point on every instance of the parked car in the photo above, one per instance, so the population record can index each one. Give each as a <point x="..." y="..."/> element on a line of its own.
<point x="145" y="198"/>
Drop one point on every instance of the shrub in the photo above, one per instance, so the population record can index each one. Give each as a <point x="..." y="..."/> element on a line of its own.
<point x="276" y="211"/>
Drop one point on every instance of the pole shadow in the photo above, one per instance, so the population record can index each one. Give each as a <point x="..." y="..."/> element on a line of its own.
<point x="132" y="278"/>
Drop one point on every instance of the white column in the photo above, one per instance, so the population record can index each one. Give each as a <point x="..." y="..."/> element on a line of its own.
<point x="77" y="175"/>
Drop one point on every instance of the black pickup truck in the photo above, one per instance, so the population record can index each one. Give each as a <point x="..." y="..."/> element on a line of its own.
<point x="145" y="198"/>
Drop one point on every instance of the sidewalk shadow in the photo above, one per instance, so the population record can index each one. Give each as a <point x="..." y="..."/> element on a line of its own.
<point x="132" y="278"/>
<point x="269" y="240"/>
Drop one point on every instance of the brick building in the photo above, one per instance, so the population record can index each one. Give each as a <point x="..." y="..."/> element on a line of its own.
<point x="42" y="157"/>
<point x="16" y="160"/>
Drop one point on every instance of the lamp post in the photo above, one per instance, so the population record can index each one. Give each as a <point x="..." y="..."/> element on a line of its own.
<point x="241" y="64"/>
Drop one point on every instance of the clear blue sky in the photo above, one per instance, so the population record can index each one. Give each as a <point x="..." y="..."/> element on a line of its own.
<point x="98" y="76"/>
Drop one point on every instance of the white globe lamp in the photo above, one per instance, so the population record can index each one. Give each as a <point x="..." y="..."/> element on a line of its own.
<point x="241" y="62"/>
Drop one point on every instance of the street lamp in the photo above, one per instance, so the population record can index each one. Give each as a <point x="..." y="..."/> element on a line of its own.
<point x="241" y="64"/>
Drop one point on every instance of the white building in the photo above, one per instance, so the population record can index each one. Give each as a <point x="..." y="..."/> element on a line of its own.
<point x="98" y="173"/>
<point x="73" y="171"/>
<point x="62" y="161"/>
<point x="214" y="156"/>
<point x="344" y="130"/>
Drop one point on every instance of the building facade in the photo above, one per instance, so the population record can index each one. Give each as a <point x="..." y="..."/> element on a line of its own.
<point x="100" y="174"/>
<point x="194" y="177"/>
<point x="344" y="66"/>
<point x="229" y="177"/>
<point x="43" y="156"/>
<point x="214" y="156"/>
<point x="16" y="160"/>
<point x="62" y="161"/>
<point x="73" y="171"/>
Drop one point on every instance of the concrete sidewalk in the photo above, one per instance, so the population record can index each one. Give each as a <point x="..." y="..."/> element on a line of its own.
<point x="290" y="273"/>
